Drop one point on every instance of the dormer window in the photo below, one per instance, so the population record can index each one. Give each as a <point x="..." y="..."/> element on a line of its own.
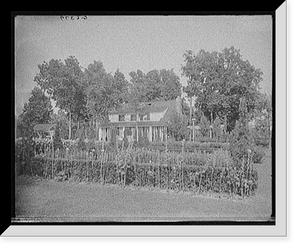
<point x="121" y="118"/>
<point x="133" y="117"/>
<point x="144" y="117"/>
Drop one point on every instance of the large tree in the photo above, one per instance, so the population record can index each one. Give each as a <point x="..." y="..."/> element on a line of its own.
<point x="103" y="90"/>
<point x="63" y="81"/>
<point x="156" y="84"/>
<point x="37" y="110"/>
<point x="219" y="80"/>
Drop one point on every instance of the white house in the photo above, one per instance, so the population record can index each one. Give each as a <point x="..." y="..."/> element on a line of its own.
<point x="151" y="120"/>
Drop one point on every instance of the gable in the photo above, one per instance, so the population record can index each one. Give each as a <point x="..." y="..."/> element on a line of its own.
<point x="158" y="115"/>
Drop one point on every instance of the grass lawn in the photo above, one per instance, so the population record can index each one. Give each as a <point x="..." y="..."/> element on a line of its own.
<point x="48" y="200"/>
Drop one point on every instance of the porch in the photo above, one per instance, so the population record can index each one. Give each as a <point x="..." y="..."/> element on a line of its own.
<point x="153" y="133"/>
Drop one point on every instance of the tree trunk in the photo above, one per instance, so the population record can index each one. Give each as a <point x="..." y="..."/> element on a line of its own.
<point x="70" y="126"/>
<point x="136" y="128"/>
<point x="191" y="111"/>
<point x="211" y="126"/>
<point x="270" y="132"/>
<point x="97" y="130"/>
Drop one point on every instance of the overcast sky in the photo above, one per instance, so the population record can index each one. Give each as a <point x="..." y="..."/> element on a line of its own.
<point x="129" y="43"/>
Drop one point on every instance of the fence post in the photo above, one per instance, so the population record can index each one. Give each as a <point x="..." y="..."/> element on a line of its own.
<point x="52" y="159"/>
<point x="182" y="180"/>
<point x="87" y="164"/>
<point x="101" y="166"/>
<point x="93" y="162"/>
<point x="135" y="176"/>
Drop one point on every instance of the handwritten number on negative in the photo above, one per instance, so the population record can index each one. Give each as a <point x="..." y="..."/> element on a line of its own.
<point x="73" y="18"/>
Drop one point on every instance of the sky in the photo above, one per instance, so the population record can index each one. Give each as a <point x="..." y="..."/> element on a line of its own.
<point x="129" y="43"/>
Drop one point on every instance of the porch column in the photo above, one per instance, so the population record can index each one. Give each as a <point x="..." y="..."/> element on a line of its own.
<point x="100" y="134"/>
<point x="150" y="133"/>
<point x="109" y="134"/>
<point x="161" y="133"/>
<point x="123" y="129"/>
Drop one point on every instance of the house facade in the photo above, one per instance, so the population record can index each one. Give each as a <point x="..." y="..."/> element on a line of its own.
<point x="44" y="131"/>
<point x="151" y="120"/>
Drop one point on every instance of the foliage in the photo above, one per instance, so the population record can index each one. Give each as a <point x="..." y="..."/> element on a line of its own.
<point x="63" y="82"/>
<point x="204" y="126"/>
<point x="91" y="146"/>
<point x="24" y="152"/>
<point x="241" y="140"/>
<point x="262" y="129"/>
<point x="218" y="80"/>
<point x="61" y="118"/>
<point x="177" y="127"/>
<point x="103" y="91"/>
<point x="217" y="129"/>
<point x="91" y="133"/>
<point x="125" y="141"/>
<point x="188" y="146"/>
<point x="143" y="141"/>
<point x="143" y="168"/>
<point x="258" y="154"/>
<point x="155" y="85"/>
<point x="37" y="110"/>
<point x="57" y="142"/>
<point x="81" y="142"/>
<point x="127" y="132"/>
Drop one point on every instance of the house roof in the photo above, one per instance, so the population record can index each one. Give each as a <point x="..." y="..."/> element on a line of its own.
<point x="154" y="106"/>
<point x="149" y="107"/>
<point x="43" y="127"/>
<point x="132" y="124"/>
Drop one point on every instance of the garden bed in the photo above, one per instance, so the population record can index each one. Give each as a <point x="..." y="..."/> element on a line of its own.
<point x="165" y="175"/>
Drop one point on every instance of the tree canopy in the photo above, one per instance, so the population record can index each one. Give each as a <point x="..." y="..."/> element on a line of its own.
<point x="63" y="82"/>
<point x="104" y="91"/>
<point x="37" y="110"/>
<point x="155" y="85"/>
<point x="218" y="80"/>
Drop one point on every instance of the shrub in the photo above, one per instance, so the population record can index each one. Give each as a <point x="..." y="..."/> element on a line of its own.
<point x="217" y="129"/>
<point x="125" y="141"/>
<point x="177" y="127"/>
<point x="57" y="142"/>
<point x="258" y="154"/>
<point x="240" y="142"/>
<point x="90" y="145"/>
<point x="81" y="143"/>
<point x="241" y="139"/>
<point x="204" y="127"/>
<point x="143" y="141"/>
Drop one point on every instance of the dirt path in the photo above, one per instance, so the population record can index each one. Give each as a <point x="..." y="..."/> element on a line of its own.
<point x="63" y="201"/>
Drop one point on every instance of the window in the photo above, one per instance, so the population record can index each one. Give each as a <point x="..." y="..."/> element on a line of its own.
<point x="144" y="117"/>
<point x="121" y="118"/>
<point x="132" y="117"/>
